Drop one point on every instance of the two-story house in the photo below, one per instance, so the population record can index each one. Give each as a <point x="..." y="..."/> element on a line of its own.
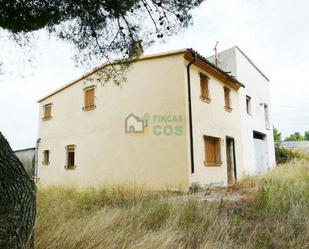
<point x="175" y="121"/>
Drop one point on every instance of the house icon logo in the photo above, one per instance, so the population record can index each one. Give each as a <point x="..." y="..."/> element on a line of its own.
<point x="135" y="125"/>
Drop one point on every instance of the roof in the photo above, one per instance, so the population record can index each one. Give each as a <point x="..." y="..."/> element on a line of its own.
<point x="295" y="144"/>
<point x="27" y="149"/>
<point x="251" y="62"/>
<point x="147" y="57"/>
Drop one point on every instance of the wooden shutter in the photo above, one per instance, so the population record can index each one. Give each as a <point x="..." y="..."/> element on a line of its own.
<point x="204" y="86"/>
<point x="227" y="98"/>
<point x="46" y="157"/>
<point x="47" y="112"/>
<point x="89" y="98"/>
<point x="212" y="150"/>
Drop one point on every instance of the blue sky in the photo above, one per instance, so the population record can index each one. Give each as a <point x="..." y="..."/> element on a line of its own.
<point x="273" y="34"/>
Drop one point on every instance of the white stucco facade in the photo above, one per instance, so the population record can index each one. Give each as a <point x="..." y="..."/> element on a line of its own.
<point x="257" y="88"/>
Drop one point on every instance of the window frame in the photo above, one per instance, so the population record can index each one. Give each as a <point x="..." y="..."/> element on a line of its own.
<point x="68" y="165"/>
<point x="218" y="150"/>
<point x="266" y="116"/>
<point x="204" y="88"/>
<point x="227" y="99"/>
<point x="92" y="106"/>
<point x="45" y="112"/>
<point x="46" y="157"/>
<point x="248" y="105"/>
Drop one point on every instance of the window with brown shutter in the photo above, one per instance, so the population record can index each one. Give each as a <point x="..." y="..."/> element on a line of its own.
<point x="47" y="113"/>
<point x="204" y="86"/>
<point x="70" y="157"/>
<point x="227" y="99"/>
<point x="212" y="151"/>
<point x="89" y="98"/>
<point x="46" y="157"/>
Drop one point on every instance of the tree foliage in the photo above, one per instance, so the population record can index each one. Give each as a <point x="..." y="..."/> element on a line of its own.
<point x="277" y="136"/>
<point x="296" y="136"/>
<point x="101" y="29"/>
<point x="306" y="135"/>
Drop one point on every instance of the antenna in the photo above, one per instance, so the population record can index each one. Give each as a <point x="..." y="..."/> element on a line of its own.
<point x="216" y="54"/>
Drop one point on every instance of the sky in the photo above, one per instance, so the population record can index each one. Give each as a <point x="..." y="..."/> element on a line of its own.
<point x="274" y="34"/>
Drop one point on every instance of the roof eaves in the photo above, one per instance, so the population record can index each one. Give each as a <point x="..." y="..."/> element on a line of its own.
<point x="204" y="59"/>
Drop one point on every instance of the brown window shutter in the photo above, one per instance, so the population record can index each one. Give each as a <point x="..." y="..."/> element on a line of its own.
<point x="89" y="98"/>
<point x="204" y="86"/>
<point x="47" y="112"/>
<point x="227" y="98"/>
<point x="46" y="157"/>
<point x="212" y="150"/>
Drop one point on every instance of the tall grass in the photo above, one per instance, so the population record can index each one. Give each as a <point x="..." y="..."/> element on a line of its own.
<point x="275" y="214"/>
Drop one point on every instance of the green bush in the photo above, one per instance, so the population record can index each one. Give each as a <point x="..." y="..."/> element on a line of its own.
<point x="284" y="155"/>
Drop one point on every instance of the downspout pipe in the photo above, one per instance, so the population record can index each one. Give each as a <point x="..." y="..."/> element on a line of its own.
<point x="36" y="160"/>
<point x="190" y="111"/>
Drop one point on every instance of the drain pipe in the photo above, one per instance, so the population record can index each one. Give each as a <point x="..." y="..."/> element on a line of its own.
<point x="190" y="111"/>
<point x="36" y="160"/>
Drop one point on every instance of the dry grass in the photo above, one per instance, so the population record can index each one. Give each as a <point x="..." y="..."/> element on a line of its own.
<point x="275" y="215"/>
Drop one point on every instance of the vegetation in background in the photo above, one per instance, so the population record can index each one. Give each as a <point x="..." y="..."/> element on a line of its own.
<point x="284" y="155"/>
<point x="277" y="136"/>
<point x="296" y="136"/>
<point x="274" y="214"/>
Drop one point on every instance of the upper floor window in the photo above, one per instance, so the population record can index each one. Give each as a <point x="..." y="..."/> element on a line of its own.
<point x="46" y="157"/>
<point x="204" y="86"/>
<point x="70" y="149"/>
<point x="89" y="98"/>
<point x="212" y="151"/>
<point x="227" y="99"/>
<point x="266" y="113"/>
<point x="248" y="104"/>
<point x="47" y="112"/>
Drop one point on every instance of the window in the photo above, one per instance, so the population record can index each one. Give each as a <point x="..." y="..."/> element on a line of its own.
<point x="266" y="113"/>
<point x="46" y="157"/>
<point x="89" y="98"/>
<point x="212" y="151"/>
<point x="248" y="104"/>
<point x="204" y="88"/>
<point x="47" y="112"/>
<point x="227" y="99"/>
<point x="70" y="157"/>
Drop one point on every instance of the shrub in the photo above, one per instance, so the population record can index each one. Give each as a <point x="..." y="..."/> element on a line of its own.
<point x="284" y="155"/>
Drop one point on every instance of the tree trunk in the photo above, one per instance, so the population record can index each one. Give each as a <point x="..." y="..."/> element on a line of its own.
<point x="17" y="201"/>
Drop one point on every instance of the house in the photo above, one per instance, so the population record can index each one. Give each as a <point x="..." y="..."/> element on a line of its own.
<point x="27" y="158"/>
<point x="191" y="109"/>
<point x="255" y="110"/>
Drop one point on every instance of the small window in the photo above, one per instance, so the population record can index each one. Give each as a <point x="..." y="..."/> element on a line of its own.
<point x="227" y="99"/>
<point x="248" y="104"/>
<point x="204" y="85"/>
<point x="266" y="113"/>
<point x="212" y="151"/>
<point x="70" y="157"/>
<point x="89" y="98"/>
<point x="47" y="113"/>
<point x="46" y="157"/>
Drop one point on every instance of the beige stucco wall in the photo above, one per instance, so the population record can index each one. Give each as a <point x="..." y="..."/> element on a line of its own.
<point x="104" y="152"/>
<point x="211" y="119"/>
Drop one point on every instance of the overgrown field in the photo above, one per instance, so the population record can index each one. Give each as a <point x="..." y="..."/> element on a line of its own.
<point x="274" y="214"/>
